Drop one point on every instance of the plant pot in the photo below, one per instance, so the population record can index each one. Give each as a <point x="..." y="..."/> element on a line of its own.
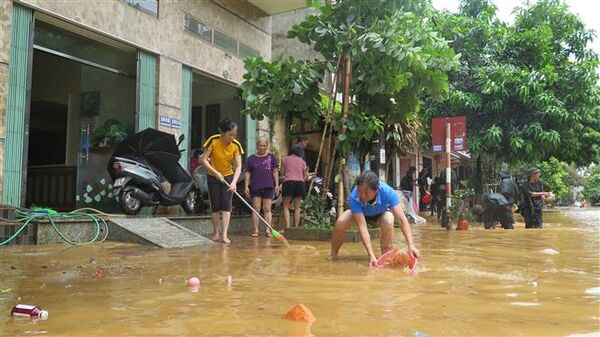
<point x="311" y="234"/>
<point x="462" y="225"/>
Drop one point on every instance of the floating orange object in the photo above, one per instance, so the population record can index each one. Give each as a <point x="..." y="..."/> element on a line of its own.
<point x="402" y="259"/>
<point x="462" y="225"/>
<point x="394" y="258"/>
<point x="300" y="312"/>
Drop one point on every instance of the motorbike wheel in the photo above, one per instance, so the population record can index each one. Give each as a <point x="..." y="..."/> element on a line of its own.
<point x="192" y="202"/>
<point x="130" y="204"/>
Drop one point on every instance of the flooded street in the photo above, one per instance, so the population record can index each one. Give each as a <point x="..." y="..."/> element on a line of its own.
<point x="470" y="283"/>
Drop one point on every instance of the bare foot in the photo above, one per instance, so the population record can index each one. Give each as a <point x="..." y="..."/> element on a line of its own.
<point x="333" y="257"/>
<point x="226" y="240"/>
<point x="215" y="237"/>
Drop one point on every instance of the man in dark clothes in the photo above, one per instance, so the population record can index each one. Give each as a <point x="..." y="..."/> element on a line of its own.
<point x="533" y="200"/>
<point x="407" y="182"/>
<point x="498" y="206"/>
<point x="434" y="190"/>
<point x="301" y="143"/>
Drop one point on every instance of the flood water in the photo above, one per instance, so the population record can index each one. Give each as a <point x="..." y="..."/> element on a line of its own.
<point x="470" y="283"/>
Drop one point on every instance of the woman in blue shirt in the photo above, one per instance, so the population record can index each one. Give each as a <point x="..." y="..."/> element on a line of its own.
<point x="374" y="202"/>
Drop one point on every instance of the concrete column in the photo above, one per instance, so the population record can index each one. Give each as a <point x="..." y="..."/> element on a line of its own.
<point x="169" y="93"/>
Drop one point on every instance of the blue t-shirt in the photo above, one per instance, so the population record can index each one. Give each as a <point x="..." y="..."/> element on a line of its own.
<point x="386" y="198"/>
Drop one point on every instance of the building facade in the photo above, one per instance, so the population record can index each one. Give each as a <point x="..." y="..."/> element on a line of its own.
<point x="77" y="76"/>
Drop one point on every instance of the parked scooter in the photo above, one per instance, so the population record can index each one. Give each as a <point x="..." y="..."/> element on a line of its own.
<point x="144" y="166"/>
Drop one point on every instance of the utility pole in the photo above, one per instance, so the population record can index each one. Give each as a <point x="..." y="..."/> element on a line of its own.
<point x="446" y="215"/>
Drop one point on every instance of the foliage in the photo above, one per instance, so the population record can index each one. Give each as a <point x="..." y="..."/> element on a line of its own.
<point x="461" y="199"/>
<point x="397" y="58"/>
<point x="274" y="89"/>
<point x="553" y="175"/>
<point x="591" y="187"/>
<point x="529" y="90"/>
<point x="111" y="132"/>
<point x="316" y="214"/>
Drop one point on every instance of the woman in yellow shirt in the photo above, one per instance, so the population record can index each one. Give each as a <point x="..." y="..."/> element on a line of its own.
<point x="222" y="158"/>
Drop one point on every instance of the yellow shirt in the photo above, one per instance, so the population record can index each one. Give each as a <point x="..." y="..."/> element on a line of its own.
<point x="221" y="156"/>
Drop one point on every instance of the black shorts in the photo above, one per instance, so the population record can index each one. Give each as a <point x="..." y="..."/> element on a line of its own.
<point x="263" y="193"/>
<point x="218" y="194"/>
<point x="373" y="219"/>
<point x="294" y="189"/>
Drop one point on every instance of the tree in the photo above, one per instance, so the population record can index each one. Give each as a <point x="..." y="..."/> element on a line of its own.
<point x="529" y="90"/>
<point x="394" y="57"/>
<point x="591" y="187"/>
<point x="554" y="174"/>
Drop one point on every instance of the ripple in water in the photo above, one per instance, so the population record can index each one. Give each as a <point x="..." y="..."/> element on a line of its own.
<point x="593" y="291"/>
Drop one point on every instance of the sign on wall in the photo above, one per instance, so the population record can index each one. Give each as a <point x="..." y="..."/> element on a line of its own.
<point x="170" y="122"/>
<point x="458" y="133"/>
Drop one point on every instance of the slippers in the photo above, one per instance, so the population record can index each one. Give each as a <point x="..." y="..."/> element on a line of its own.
<point x="254" y="235"/>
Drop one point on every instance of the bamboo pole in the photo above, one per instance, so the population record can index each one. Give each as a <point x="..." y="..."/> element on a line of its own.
<point x="330" y="113"/>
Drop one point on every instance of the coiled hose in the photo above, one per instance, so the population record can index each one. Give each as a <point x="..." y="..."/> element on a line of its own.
<point x="27" y="216"/>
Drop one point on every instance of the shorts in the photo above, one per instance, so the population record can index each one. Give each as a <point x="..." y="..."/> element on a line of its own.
<point x="294" y="189"/>
<point x="263" y="193"/>
<point x="372" y="220"/>
<point x="218" y="194"/>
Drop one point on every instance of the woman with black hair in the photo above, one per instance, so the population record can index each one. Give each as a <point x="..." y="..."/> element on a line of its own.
<point x="222" y="158"/>
<point x="295" y="173"/>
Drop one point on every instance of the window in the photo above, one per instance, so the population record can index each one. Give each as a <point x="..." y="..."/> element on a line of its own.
<point x="225" y="42"/>
<point x="198" y="28"/>
<point x="221" y="40"/>
<point x="148" y="6"/>
<point x="246" y="51"/>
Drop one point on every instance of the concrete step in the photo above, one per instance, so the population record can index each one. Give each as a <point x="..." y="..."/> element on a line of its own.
<point x="160" y="232"/>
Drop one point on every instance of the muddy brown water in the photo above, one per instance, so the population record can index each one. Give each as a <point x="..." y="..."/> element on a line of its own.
<point x="470" y="283"/>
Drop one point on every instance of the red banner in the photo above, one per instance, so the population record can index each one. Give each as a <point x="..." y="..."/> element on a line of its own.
<point x="458" y="133"/>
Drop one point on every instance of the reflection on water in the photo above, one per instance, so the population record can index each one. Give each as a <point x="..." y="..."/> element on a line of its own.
<point x="471" y="283"/>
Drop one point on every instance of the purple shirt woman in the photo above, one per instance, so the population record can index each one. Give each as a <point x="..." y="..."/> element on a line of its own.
<point x="261" y="182"/>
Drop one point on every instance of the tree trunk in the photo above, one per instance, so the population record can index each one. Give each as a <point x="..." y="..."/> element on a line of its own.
<point x="345" y="108"/>
<point x="478" y="177"/>
<point x="347" y="66"/>
<point x="329" y="115"/>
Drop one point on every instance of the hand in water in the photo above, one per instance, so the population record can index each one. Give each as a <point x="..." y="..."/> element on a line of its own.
<point x="414" y="252"/>
<point x="372" y="261"/>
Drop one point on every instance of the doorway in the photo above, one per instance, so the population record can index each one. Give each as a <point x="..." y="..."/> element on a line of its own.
<point x="82" y="105"/>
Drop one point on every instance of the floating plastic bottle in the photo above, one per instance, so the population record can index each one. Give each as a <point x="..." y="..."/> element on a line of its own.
<point x="24" y="310"/>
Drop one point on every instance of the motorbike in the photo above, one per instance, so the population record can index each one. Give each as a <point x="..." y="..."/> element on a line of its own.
<point x="144" y="166"/>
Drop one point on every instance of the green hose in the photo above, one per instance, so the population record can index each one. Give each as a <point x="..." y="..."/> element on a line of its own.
<point x="26" y="216"/>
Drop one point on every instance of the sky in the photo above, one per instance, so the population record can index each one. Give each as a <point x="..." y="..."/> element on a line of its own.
<point x="587" y="10"/>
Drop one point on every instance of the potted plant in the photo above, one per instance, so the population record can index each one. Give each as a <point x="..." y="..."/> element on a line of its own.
<point x="111" y="133"/>
<point x="318" y="223"/>
<point x="460" y="206"/>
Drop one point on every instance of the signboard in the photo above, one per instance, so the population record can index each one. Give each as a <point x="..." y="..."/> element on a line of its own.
<point x="458" y="133"/>
<point x="170" y="122"/>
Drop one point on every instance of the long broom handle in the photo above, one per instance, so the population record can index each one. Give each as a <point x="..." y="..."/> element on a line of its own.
<point x="250" y="206"/>
<point x="253" y="210"/>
